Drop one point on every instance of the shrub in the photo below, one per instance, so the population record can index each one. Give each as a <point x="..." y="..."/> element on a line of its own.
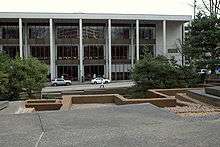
<point x="17" y="75"/>
<point x="160" y="72"/>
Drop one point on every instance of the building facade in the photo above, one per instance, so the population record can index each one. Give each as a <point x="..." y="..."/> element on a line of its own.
<point x="80" y="46"/>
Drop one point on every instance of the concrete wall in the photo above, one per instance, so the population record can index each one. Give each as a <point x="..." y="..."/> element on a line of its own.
<point x="173" y="35"/>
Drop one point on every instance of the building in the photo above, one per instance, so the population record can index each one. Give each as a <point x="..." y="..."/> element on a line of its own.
<point x="81" y="45"/>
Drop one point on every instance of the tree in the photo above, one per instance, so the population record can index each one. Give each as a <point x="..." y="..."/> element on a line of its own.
<point x="201" y="43"/>
<point x="33" y="73"/>
<point x="17" y="75"/>
<point x="161" y="72"/>
<point x="211" y="6"/>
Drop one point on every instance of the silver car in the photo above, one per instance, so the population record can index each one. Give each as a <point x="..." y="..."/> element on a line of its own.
<point x="60" y="81"/>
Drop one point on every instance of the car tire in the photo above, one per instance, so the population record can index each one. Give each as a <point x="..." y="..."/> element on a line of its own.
<point x="67" y="84"/>
<point x="106" y="82"/>
<point x="54" y="84"/>
<point x="95" y="82"/>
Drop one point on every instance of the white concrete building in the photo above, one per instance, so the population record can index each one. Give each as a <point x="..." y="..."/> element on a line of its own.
<point x="81" y="45"/>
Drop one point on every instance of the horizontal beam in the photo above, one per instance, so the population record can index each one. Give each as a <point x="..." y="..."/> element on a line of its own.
<point x="106" y="16"/>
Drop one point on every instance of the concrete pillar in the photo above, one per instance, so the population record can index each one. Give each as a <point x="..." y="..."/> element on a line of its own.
<point x="52" y="51"/>
<point x="26" y="50"/>
<point x="109" y="49"/>
<point x="20" y="38"/>
<point x="137" y="40"/>
<point x="81" y="69"/>
<point x="132" y="46"/>
<point x="106" y="51"/>
<point x="164" y="38"/>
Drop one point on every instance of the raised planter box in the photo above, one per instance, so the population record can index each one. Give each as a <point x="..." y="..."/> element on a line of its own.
<point x="43" y="104"/>
<point x="69" y="100"/>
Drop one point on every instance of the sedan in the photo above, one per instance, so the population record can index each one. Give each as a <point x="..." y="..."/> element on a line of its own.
<point x="99" y="81"/>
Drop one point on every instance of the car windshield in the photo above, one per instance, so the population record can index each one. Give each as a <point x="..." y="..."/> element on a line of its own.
<point x="60" y="80"/>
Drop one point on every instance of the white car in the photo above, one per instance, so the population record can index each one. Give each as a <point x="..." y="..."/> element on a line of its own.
<point x="205" y="71"/>
<point x="60" y="81"/>
<point x="99" y="81"/>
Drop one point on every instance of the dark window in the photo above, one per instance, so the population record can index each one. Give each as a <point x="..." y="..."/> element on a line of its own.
<point x="98" y="70"/>
<point x="38" y="32"/>
<point x="69" y="72"/>
<point x="94" y="52"/>
<point x="67" y="32"/>
<point x="9" y="32"/>
<point x="93" y="32"/>
<point x="40" y="52"/>
<point x="67" y="52"/>
<point x="147" y="33"/>
<point x="120" y="52"/>
<point x="120" y="75"/>
<point x="12" y="51"/>
<point x="120" y="32"/>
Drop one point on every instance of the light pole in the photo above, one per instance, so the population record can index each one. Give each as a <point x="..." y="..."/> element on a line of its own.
<point x="194" y="9"/>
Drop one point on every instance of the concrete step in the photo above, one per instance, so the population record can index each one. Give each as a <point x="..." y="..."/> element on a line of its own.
<point x="204" y="97"/>
<point x="213" y="90"/>
<point x="3" y="104"/>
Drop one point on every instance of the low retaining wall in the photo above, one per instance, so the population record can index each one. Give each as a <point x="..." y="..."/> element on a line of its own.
<point x="43" y="104"/>
<point x="69" y="100"/>
<point x="3" y="104"/>
<point x="203" y="97"/>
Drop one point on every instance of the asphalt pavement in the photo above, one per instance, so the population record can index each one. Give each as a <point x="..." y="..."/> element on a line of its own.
<point x="110" y="126"/>
<point x="87" y="86"/>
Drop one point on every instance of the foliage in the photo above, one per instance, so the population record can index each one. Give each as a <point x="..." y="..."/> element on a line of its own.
<point x="18" y="75"/>
<point x="161" y="72"/>
<point x="33" y="74"/>
<point x="201" y="43"/>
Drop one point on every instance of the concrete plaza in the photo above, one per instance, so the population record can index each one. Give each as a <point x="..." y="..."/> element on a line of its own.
<point x="129" y="125"/>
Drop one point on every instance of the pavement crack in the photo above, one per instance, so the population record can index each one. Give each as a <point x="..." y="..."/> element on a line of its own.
<point x="42" y="129"/>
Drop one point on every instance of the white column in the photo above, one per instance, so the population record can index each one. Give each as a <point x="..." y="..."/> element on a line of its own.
<point x="52" y="51"/>
<point x="132" y="46"/>
<point x="20" y="38"/>
<point x="81" y="70"/>
<point x="26" y="50"/>
<point x="164" y="38"/>
<point x="106" y="51"/>
<point x="137" y="40"/>
<point x="109" y="50"/>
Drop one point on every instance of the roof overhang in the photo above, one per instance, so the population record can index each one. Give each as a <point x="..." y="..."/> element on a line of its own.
<point x="36" y="15"/>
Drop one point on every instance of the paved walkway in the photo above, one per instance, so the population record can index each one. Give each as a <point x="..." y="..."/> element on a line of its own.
<point x="87" y="86"/>
<point x="13" y="107"/>
<point x="114" y="126"/>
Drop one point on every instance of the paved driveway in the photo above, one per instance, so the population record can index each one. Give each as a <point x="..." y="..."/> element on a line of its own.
<point x="87" y="86"/>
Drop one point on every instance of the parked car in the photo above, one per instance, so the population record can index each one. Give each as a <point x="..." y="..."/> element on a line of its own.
<point x="217" y="71"/>
<point x="99" y="80"/>
<point x="205" y="71"/>
<point x="60" y="81"/>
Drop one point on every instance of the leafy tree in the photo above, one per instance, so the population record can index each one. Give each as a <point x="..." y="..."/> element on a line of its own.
<point x="17" y="75"/>
<point x="33" y="74"/>
<point x="201" y="44"/>
<point x="161" y="72"/>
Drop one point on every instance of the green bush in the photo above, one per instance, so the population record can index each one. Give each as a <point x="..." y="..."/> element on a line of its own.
<point x="160" y="72"/>
<point x="18" y="75"/>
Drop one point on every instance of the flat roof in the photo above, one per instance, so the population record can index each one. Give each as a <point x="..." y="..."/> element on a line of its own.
<point x="42" y="15"/>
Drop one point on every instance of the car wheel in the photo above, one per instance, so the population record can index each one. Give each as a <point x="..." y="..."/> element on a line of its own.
<point x="95" y="82"/>
<point x="67" y="84"/>
<point x="54" y="84"/>
<point x="106" y="82"/>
